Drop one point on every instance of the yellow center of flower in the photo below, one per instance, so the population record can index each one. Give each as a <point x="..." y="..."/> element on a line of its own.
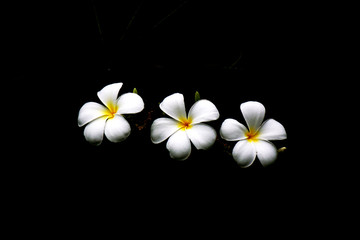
<point x="185" y="123"/>
<point x="111" y="110"/>
<point x="252" y="135"/>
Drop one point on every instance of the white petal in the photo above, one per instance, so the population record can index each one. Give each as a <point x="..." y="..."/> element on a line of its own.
<point x="117" y="129"/>
<point x="130" y="103"/>
<point x="202" y="136"/>
<point x="244" y="153"/>
<point x="254" y="113"/>
<point x="174" y="106"/>
<point x="94" y="131"/>
<point x="266" y="152"/>
<point x="232" y="130"/>
<point x="272" y="130"/>
<point x="203" y="111"/>
<point x="179" y="145"/>
<point x="162" y="128"/>
<point x="108" y="95"/>
<point x="90" y="111"/>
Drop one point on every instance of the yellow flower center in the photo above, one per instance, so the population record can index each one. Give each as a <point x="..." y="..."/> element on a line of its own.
<point x="252" y="135"/>
<point x="184" y="124"/>
<point x="111" y="110"/>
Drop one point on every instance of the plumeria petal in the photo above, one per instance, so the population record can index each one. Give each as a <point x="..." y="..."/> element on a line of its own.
<point x="94" y="131"/>
<point x="244" y="153"/>
<point x="162" y="128"/>
<point x="266" y="152"/>
<point x="89" y="112"/>
<point x="174" y="106"/>
<point x="179" y="145"/>
<point x="202" y="136"/>
<point x="253" y="113"/>
<point x="108" y="95"/>
<point x="203" y="111"/>
<point x="117" y="129"/>
<point x="232" y="130"/>
<point x="272" y="130"/>
<point x="130" y="103"/>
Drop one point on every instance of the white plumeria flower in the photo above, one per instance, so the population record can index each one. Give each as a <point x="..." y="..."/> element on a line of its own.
<point x="182" y="129"/>
<point x="254" y="140"/>
<point x="108" y="118"/>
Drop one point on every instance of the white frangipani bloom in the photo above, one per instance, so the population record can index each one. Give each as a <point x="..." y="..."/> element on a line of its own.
<point x="108" y="118"/>
<point x="181" y="129"/>
<point x="254" y="140"/>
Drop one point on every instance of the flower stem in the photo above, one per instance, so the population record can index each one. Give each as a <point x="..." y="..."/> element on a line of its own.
<point x="97" y="21"/>
<point x="169" y="15"/>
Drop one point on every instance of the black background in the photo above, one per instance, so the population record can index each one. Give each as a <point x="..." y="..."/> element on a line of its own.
<point x="229" y="52"/>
